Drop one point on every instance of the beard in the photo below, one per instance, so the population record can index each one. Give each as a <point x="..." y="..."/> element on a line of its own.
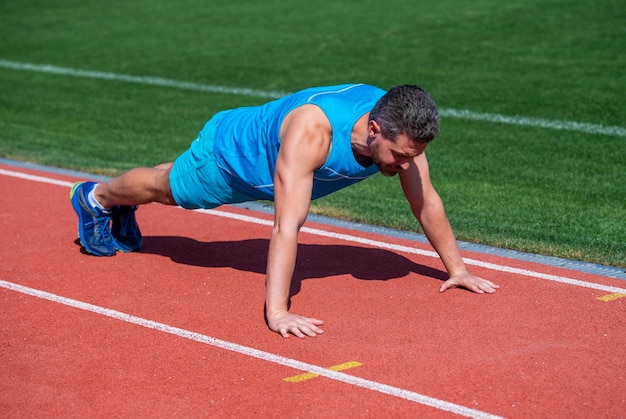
<point x="384" y="169"/>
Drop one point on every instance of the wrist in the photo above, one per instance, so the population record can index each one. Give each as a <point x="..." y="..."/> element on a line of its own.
<point x="458" y="271"/>
<point x="271" y="311"/>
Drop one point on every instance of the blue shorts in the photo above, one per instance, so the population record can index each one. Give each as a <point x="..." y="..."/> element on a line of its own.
<point x="195" y="179"/>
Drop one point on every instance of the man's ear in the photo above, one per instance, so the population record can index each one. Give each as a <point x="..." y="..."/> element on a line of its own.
<point x="373" y="128"/>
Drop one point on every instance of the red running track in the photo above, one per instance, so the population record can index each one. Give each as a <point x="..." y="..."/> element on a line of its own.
<point x="177" y="329"/>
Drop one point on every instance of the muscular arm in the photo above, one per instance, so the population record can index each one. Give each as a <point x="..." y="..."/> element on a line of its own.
<point x="429" y="211"/>
<point x="305" y="144"/>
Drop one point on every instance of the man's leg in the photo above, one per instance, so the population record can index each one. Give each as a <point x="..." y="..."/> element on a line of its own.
<point x="137" y="186"/>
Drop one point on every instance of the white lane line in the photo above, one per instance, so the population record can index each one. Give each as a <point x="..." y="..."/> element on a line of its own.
<point x="534" y="122"/>
<point x="361" y="240"/>
<point x="251" y="352"/>
<point x="270" y="94"/>
<point x="34" y="178"/>
<point x="428" y="253"/>
<point x="147" y="80"/>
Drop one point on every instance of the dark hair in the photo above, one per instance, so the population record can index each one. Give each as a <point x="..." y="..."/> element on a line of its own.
<point x="407" y="110"/>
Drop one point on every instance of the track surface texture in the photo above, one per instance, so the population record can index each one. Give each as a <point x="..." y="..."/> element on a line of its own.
<point x="178" y="329"/>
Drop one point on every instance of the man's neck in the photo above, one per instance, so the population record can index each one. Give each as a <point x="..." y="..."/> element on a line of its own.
<point x="359" y="141"/>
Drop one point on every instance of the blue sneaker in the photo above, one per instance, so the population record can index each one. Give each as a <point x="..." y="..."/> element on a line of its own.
<point x="93" y="223"/>
<point x="125" y="231"/>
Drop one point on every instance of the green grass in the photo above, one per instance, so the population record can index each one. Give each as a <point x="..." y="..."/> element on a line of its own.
<point x="553" y="192"/>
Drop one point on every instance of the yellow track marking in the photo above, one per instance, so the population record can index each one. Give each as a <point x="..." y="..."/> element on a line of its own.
<point x="611" y="297"/>
<point x="309" y="375"/>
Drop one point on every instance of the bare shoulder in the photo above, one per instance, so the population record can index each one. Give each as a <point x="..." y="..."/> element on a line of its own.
<point x="417" y="169"/>
<point x="305" y="118"/>
<point x="306" y="131"/>
<point x="416" y="182"/>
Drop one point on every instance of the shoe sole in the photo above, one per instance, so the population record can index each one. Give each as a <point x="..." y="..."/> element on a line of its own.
<point x="121" y="248"/>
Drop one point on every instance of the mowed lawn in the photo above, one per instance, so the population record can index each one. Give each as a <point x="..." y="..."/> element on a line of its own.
<point x="496" y="70"/>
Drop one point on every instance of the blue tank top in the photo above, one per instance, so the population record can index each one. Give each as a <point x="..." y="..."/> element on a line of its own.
<point x="247" y="140"/>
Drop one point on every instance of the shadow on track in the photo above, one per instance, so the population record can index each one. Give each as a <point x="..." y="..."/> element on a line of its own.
<point x="314" y="261"/>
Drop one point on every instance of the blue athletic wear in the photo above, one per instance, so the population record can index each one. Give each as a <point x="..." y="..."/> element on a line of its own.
<point x="94" y="228"/>
<point x="124" y="229"/>
<point x="101" y="232"/>
<point x="234" y="157"/>
<point x="196" y="181"/>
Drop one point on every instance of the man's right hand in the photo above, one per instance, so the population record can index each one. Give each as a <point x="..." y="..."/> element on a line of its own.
<point x="286" y="323"/>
